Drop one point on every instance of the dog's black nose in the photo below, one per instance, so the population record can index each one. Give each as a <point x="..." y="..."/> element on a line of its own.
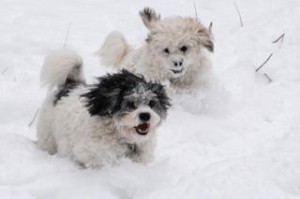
<point x="178" y="63"/>
<point x="144" y="117"/>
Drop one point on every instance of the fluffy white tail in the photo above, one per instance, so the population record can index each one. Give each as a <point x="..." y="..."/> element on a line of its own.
<point x="61" y="66"/>
<point x="114" y="49"/>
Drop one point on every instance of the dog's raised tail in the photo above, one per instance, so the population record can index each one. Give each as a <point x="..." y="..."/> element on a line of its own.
<point x="114" y="49"/>
<point x="60" y="67"/>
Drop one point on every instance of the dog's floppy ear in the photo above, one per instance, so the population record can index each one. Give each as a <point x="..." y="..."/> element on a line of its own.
<point x="103" y="100"/>
<point x="206" y="39"/>
<point x="149" y="16"/>
<point x="160" y="91"/>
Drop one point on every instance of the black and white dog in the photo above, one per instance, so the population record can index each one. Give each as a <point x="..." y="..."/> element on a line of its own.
<point x="98" y="124"/>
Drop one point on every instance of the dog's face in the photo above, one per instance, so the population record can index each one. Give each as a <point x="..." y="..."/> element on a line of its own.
<point x="176" y="41"/>
<point x="140" y="113"/>
<point x="135" y="106"/>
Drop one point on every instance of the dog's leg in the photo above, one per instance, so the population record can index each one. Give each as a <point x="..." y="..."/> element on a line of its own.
<point x="92" y="154"/>
<point x="46" y="141"/>
<point x="44" y="128"/>
<point x="145" y="152"/>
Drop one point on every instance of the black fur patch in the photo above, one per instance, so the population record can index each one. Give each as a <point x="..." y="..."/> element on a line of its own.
<point x="65" y="90"/>
<point x="163" y="99"/>
<point x="104" y="99"/>
<point x="148" y="15"/>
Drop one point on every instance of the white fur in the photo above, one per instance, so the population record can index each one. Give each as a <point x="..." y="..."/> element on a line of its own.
<point x="68" y="129"/>
<point x="153" y="63"/>
<point x="59" y="65"/>
<point x="114" y="49"/>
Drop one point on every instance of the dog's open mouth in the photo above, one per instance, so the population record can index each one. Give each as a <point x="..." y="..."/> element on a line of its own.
<point x="142" y="129"/>
<point x="177" y="71"/>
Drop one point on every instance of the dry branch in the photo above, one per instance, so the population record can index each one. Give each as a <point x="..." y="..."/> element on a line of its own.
<point x="67" y="35"/>
<point x="266" y="61"/>
<point x="34" y="117"/>
<point x="196" y="13"/>
<point x="268" y="77"/>
<point x="280" y="38"/>
<point x="4" y="70"/>
<point x="238" y="11"/>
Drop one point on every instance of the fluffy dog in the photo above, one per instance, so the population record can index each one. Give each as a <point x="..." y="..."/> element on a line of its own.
<point x="176" y="50"/>
<point x="98" y="124"/>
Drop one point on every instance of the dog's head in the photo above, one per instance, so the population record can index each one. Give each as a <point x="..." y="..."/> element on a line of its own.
<point x="176" y="41"/>
<point x="135" y="106"/>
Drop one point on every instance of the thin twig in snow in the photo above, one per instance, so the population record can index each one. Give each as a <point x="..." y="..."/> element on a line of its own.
<point x="34" y="117"/>
<point x="4" y="70"/>
<point x="67" y="35"/>
<point x="280" y="38"/>
<point x="268" y="77"/>
<point x="264" y="62"/>
<point x="196" y="13"/>
<point x="238" y="11"/>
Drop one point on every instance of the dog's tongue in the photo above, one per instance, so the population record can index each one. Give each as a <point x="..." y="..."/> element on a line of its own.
<point x="143" y="127"/>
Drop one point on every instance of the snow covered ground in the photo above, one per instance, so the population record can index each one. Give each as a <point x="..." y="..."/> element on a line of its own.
<point x="244" y="144"/>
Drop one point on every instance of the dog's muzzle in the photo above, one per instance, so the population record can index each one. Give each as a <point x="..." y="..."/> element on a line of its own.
<point x="177" y="72"/>
<point x="176" y="66"/>
<point x="142" y="129"/>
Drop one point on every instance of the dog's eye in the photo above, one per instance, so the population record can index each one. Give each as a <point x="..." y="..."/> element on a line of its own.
<point x="152" y="103"/>
<point x="130" y="105"/>
<point x="183" y="49"/>
<point x="166" y="50"/>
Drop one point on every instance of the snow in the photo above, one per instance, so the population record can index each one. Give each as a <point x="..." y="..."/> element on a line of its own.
<point x="242" y="142"/>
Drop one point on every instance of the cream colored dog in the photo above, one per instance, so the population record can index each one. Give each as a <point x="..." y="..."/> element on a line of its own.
<point x="176" y="51"/>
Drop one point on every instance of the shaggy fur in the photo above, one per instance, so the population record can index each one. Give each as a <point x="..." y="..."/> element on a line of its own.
<point x="98" y="124"/>
<point x="176" y="50"/>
